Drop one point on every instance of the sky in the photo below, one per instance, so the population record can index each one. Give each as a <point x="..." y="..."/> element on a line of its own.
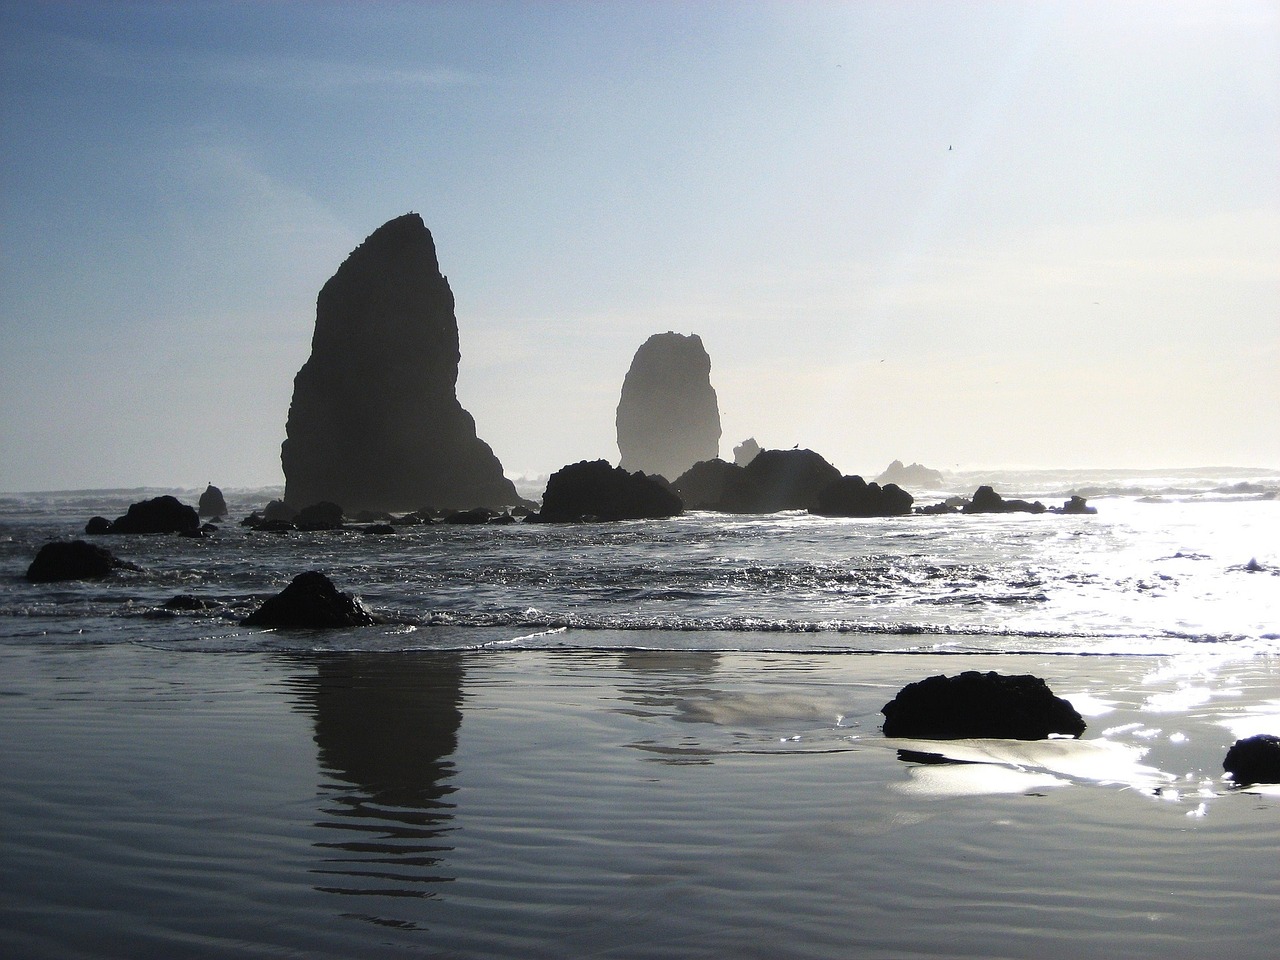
<point x="969" y="234"/>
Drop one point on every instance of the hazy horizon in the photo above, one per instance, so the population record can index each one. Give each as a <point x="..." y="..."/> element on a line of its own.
<point x="975" y="236"/>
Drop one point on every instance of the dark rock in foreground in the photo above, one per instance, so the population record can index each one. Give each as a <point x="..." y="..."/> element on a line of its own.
<point x="915" y="475"/>
<point x="1254" y="760"/>
<point x="594" y="490"/>
<point x="76" y="560"/>
<point x="212" y="503"/>
<point x="789" y="479"/>
<point x="159" y="515"/>
<point x="986" y="705"/>
<point x="311" y="601"/>
<point x="986" y="500"/>
<point x="375" y="422"/>
<point x="668" y="417"/>
<point x="854" y="497"/>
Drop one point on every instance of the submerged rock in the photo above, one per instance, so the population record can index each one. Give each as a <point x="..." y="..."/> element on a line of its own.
<point x="311" y="601"/>
<point x="986" y="705"/>
<point x="212" y="503"/>
<point x="854" y="497"/>
<point x="375" y="422"/>
<point x="594" y="490"/>
<point x="74" y="560"/>
<point x="668" y="418"/>
<point x="1254" y="760"/>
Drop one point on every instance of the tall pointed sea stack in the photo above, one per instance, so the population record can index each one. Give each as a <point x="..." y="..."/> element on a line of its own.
<point x="668" y="418"/>
<point x="375" y="422"/>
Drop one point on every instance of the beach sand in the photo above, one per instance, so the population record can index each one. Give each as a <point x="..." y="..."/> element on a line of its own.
<point x="164" y="803"/>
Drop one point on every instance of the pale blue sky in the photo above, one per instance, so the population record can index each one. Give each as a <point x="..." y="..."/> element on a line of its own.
<point x="1089" y="277"/>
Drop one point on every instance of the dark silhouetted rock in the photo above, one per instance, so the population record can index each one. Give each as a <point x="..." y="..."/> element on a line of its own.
<point x="1076" y="505"/>
<point x="76" y="560"/>
<point x="375" y="422"/>
<point x="788" y="480"/>
<point x="311" y="601"/>
<point x="97" y="525"/>
<point x="915" y="475"/>
<point x="319" y="516"/>
<point x="594" y="490"/>
<point x="474" y="517"/>
<point x="854" y="497"/>
<point x="379" y="529"/>
<point x="716" y="485"/>
<point x="212" y="503"/>
<point x="746" y="451"/>
<point x="186" y="602"/>
<point x="158" y="515"/>
<point x="279" y="510"/>
<point x="987" y="705"/>
<point x="1254" y="760"/>
<point x="986" y="500"/>
<point x="668" y="418"/>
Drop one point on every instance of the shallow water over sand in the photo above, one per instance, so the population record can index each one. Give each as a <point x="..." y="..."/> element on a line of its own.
<point x="637" y="804"/>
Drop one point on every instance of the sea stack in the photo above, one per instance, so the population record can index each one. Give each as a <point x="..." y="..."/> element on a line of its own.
<point x="668" y="417"/>
<point x="375" y="422"/>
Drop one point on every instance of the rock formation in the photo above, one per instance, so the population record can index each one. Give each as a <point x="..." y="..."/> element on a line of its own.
<point x="311" y="601"/>
<point x="789" y="479"/>
<point x="975" y="704"/>
<point x="986" y="500"/>
<point x="668" y="418"/>
<point x="716" y="485"/>
<point x="746" y="451"/>
<point x="1254" y="759"/>
<point x="915" y="475"/>
<point x="76" y="560"/>
<point x="594" y="490"/>
<point x="158" y="515"/>
<point x="375" y="422"/>
<point x="854" y="497"/>
<point x="212" y="503"/>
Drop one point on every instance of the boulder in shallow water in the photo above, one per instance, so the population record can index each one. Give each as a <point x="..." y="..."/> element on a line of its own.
<point x="1254" y="760"/>
<point x="159" y="515"/>
<point x="594" y="490"/>
<point x="212" y="503"/>
<point x="854" y="497"/>
<point x="986" y="705"/>
<point x="311" y="601"/>
<point x="986" y="500"/>
<point x="1076" y="506"/>
<point x="97" y="525"/>
<point x="76" y="560"/>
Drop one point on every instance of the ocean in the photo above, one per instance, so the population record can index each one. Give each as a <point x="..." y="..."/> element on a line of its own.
<point x="646" y="739"/>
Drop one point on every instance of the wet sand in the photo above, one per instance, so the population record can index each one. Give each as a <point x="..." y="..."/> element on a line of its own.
<point x="161" y="803"/>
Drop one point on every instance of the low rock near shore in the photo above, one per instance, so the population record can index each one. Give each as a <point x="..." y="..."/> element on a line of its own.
<point x="1076" y="505"/>
<point x="594" y="490"/>
<point x="986" y="500"/>
<point x="854" y="497"/>
<point x="311" y="601"/>
<point x="1254" y="760"/>
<point x="74" y="560"/>
<point x="985" y="705"/>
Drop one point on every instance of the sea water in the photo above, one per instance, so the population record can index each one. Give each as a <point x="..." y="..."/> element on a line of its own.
<point x="651" y="739"/>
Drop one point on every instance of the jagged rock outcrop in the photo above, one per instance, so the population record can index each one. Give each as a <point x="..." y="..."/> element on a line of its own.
<point x="311" y="601"/>
<point x="212" y="503"/>
<point x="986" y="500"/>
<point x="76" y="560"/>
<point x="986" y="705"/>
<point x="854" y="497"/>
<point x="668" y="418"/>
<point x="375" y="422"/>
<point x="717" y="485"/>
<point x="746" y="451"/>
<point x="594" y="490"/>
<point x="915" y="475"/>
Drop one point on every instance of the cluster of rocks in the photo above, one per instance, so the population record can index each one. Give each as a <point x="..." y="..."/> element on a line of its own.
<point x="986" y="500"/>
<point x="158" y="515"/>
<point x="279" y="517"/>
